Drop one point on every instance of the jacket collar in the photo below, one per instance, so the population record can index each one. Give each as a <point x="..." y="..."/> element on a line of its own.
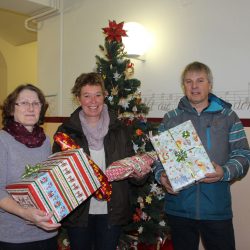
<point x="216" y="104"/>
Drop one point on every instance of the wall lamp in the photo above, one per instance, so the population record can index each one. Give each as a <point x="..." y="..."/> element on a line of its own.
<point x="138" y="41"/>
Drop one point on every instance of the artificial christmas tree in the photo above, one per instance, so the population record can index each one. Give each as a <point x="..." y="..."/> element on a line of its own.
<point x="148" y="226"/>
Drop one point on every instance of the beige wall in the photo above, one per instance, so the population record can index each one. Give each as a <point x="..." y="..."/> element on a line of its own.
<point x="20" y="62"/>
<point x="26" y="65"/>
<point x="50" y="129"/>
<point x="3" y="78"/>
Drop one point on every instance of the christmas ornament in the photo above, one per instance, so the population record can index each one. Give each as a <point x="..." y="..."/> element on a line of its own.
<point x="115" y="31"/>
<point x="116" y="76"/>
<point x="134" y="109"/>
<point x="140" y="230"/>
<point x="124" y="103"/>
<point x="149" y="199"/>
<point x="139" y="132"/>
<point x="129" y="71"/>
<point x="114" y="90"/>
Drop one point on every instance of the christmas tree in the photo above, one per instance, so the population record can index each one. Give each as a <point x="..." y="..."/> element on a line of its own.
<point x="124" y="95"/>
<point x="149" y="224"/>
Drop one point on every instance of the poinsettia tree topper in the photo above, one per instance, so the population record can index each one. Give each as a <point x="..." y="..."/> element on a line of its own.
<point x="115" y="31"/>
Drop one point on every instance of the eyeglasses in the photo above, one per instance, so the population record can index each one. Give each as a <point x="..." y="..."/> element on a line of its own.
<point x="26" y="105"/>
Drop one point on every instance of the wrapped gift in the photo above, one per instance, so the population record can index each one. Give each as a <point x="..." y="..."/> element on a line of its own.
<point x="59" y="184"/>
<point x="182" y="155"/>
<point x="121" y="169"/>
<point x="66" y="143"/>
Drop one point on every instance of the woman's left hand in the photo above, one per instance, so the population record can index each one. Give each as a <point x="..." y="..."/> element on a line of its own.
<point x="40" y="219"/>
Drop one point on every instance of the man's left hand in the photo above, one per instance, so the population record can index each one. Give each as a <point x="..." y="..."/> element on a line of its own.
<point x="214" y="177"/>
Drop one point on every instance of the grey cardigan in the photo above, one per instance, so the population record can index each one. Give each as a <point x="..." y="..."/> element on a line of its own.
<point x="13" y="158"/>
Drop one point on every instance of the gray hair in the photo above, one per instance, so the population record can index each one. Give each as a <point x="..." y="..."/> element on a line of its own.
<point x="197" y="66"/>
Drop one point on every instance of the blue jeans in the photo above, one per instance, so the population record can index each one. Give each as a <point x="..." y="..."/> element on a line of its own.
<point x="97" y="235"/>
<point x="50" y="244"/>
<point x="215" y="234"/>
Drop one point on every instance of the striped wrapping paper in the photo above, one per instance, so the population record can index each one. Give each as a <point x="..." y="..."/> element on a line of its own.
<point x="62" y="183"/>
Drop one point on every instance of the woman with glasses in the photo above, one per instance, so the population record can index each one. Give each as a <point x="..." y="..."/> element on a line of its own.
<point x="23" y="142"/>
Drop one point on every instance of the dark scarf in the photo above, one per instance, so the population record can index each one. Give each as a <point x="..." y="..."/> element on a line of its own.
<point x="32" y="139"/>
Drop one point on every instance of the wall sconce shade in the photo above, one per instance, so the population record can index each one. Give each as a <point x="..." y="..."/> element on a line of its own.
<point x="138" y="40"/>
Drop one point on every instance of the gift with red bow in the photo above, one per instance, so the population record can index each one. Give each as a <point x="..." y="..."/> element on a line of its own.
<point x="66" y="143"/>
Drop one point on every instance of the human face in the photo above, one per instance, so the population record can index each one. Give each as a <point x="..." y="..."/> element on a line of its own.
<point x="196" y="88"/>
<point x="92" y="100"/>
<point x="27" y="114"/>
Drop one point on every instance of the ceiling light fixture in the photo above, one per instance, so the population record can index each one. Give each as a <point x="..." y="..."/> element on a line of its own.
<point x="138" y="41"/>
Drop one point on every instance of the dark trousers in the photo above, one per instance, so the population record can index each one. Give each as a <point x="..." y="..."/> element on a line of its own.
<point x="50" y="244"/>
<point x="215" y="235"/>
<point x="97" y="235"/>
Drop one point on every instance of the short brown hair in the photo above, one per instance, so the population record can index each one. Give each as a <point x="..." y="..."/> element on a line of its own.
<point x="197" y="66"/>
<point x="87" y="79"/>
<point x="10" y="102"/>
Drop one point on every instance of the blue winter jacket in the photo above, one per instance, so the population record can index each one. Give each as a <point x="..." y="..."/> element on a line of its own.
<point x="224" y="139"/>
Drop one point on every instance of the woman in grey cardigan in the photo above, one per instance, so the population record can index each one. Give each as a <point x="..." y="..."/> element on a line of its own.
<point x="23" y="142"/>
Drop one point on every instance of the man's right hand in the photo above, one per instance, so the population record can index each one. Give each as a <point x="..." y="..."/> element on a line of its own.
<point x="166" y="183"/>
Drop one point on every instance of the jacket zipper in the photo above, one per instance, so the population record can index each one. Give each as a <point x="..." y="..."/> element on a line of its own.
<point x="208" y="135"/>
<point x="198" y="202"/>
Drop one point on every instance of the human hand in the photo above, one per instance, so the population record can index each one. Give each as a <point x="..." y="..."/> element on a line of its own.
<point x="166" y="183"/>
<point x="214" y="177"/>
<point x="40" y="219"/>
